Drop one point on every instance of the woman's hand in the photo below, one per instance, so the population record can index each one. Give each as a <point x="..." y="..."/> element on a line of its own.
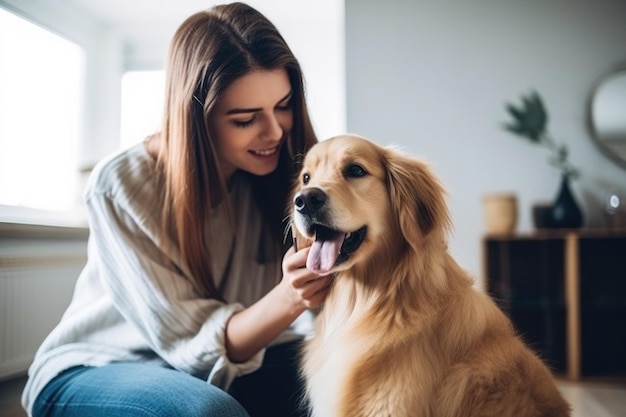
<point x="251" y="329"/>
<point x="308" y="289"/>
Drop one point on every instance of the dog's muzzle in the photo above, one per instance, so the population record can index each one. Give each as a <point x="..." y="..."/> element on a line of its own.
<point x="332" y="246"/>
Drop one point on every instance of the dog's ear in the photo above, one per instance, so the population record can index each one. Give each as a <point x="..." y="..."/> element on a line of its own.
<point x="417" y="197"/>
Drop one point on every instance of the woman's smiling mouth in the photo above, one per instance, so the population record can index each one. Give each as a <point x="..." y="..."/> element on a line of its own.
<point x="265" y="152"/>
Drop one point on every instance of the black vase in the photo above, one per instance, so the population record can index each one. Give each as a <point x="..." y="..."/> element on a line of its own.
<point x="565" y="212"/>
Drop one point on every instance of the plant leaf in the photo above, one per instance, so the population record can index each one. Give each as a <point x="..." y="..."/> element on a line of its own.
<point x="518" y="114"/>
<point x="530" y="121"/>
<point x="531" y="117"/>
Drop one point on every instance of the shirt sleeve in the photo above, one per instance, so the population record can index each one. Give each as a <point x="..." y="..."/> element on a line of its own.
<point x="148" y="286"/>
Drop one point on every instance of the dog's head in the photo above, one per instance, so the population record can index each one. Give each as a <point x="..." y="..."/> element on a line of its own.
<point x="353" y="198"/>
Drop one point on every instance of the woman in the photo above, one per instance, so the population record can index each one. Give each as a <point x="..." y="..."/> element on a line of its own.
<point x="188" y="279"/>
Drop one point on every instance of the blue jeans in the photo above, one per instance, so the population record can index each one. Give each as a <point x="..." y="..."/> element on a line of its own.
<point x="140" y="390"/>
<point x="133" y="389"/>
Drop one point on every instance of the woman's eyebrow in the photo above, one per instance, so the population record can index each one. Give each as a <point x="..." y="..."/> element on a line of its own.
<point x="238" y="110"/>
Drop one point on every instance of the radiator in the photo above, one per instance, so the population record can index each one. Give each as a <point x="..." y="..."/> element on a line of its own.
<point x="38" y="269"/>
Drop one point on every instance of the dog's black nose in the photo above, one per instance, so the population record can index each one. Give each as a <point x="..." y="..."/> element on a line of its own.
<point x="310" y="200"/>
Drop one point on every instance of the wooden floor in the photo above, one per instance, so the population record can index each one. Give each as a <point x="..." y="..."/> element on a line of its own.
<point x="588" y="399"/>
<point x="594" y="398"/>
<point x="10" y="393"/>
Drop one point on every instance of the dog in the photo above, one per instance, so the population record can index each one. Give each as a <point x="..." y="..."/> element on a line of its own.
<point x="402" y="332"/>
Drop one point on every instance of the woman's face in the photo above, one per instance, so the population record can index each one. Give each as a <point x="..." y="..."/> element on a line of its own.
<point x="251" y="122"/>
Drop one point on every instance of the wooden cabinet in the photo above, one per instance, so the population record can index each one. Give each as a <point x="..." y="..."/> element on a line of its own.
<point x="566" y="294"/>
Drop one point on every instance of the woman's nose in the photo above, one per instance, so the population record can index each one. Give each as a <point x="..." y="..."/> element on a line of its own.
<point x="273" y="128"/>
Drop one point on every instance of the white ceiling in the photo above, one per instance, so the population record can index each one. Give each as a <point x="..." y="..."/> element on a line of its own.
<point x="125" y="13"/>
<point x="145" y="27"/>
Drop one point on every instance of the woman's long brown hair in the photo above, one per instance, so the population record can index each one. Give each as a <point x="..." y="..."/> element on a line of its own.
<point x="208" y="52"/>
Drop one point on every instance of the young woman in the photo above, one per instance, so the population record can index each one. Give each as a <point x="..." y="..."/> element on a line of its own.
<point x="190" y="302"/>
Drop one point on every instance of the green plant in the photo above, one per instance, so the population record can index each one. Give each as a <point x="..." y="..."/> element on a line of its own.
<point x="530" y="121"/>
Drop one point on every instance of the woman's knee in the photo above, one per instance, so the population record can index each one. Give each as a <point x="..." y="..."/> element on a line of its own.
<point x="206" y="401"/>
<point x="172" y="393"/>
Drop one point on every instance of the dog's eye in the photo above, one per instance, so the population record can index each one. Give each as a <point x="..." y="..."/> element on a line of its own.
<point x="306" y="178"/>
<point x="354" y="171"/>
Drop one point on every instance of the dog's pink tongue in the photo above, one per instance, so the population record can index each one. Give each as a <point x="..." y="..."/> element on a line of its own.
<point x="323" y="254"/>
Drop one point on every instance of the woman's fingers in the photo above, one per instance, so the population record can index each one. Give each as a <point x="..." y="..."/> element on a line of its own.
<point x="294" y="260"/>
<point x="319" y="295"/>
<point x="308" y="286"/>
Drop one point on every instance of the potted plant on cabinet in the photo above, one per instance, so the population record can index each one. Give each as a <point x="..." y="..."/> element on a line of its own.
<point x="530" y="121"/>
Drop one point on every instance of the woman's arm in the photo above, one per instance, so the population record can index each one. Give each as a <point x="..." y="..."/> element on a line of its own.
<point x="250" y="330"/>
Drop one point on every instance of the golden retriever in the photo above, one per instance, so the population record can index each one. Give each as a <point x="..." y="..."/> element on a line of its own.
<point x="402" y="332"/>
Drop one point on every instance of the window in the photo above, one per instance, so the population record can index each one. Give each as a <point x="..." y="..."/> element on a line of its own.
<point x="142" y="105"/>
<point x="41" y="81"/>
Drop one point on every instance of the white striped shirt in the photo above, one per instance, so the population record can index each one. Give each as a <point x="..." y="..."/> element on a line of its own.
<point x="134" y="300"/>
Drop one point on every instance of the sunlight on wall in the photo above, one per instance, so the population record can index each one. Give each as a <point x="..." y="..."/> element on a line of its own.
<point x="142" y="105"/>
<point x="41" y="77"/>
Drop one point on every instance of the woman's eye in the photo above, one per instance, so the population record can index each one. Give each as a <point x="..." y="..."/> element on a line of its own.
<point x="243" y="123"/>
<point x="306" y="178"/>
<point x="354" y="171"/>
<point x="284" y="107"/>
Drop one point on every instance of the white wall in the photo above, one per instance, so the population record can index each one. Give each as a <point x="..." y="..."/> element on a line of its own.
<point x="433" y="78"/>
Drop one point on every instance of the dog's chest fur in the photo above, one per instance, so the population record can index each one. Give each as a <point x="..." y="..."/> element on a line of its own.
<point x="349" y="347"/>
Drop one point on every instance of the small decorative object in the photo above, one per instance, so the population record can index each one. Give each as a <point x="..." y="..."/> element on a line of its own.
<point x="500" y="212"/>
<point x="566" y="213"/>
<point x="614" y="211"/>
<point x="542" y="215"/>
<point x="530" y="121"/>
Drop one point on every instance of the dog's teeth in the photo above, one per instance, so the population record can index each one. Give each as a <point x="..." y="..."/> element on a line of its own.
<point x="348" y="235"/>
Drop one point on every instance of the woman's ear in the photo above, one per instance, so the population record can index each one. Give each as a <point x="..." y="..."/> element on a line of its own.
<point x="417" y="197"/>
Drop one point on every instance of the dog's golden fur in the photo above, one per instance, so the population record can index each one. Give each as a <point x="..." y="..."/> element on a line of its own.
<point x="403" y="332"/>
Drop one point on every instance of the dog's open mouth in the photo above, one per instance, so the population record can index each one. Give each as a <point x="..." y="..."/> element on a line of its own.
<point x="332" y="247"/>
